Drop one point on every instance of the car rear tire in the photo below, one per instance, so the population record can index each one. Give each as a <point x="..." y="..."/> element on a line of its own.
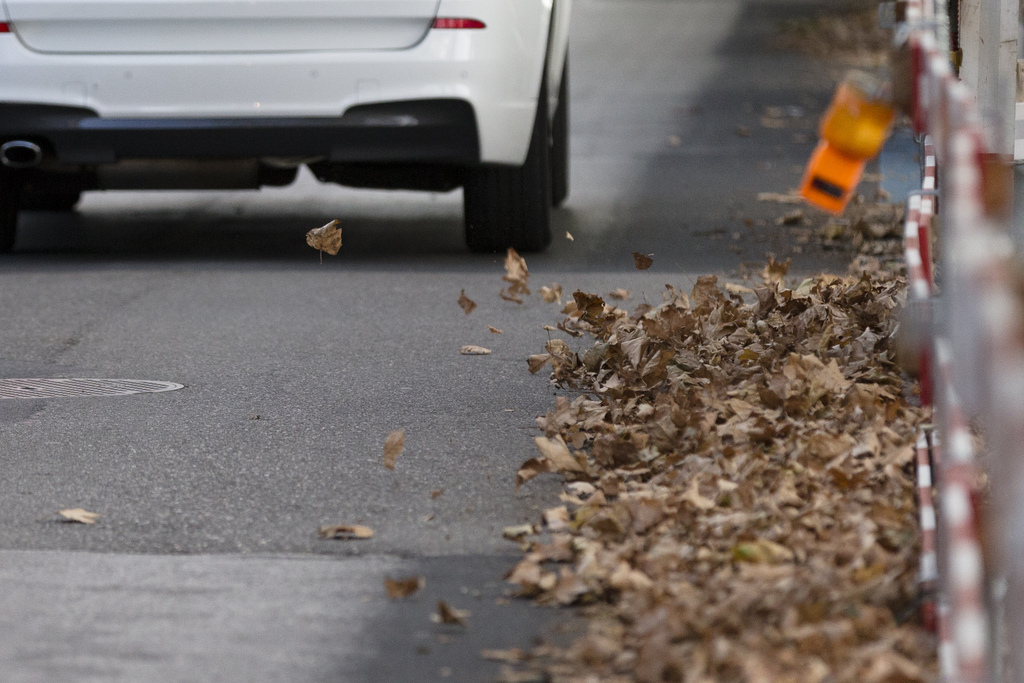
<point x="560" y="142"/>
<point x="510" y="206"/>
<point x="9" y="205"/>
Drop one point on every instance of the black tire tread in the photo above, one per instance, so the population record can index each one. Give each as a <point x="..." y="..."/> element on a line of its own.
<point x="560" y="142"/>
<point x="509" y="206"/>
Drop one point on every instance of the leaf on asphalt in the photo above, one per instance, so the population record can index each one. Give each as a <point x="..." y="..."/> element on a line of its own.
<point x="393" y="447"/>
<point x="471" y="350"/>
<point x="436" y="493"/>
<point x="516" y="275"/>
<point x="449" y="615"/>
<point x="537" y="361"/>
<point x="569" y="236"/>
<point x="780" y="198"/>
<point x="511" y="655"/>
<point x="325" y="238"/>
<point x="345" y="532"/>
<point x="619" y="294"/>
<point x="78" y="515"/>
<point x="403" y="588"/>
<point x="557" y="453"/>
<point x="530" y="469"/>
<point x="733" y="288"/>
<point x="556" y="519"/>
<point x="794" y="217"/>
<point x="494" y="330"/>
<point x="774" y="273"/>
<point x="516" y="533"/>
<point x="552" y="294"/>
<point x="466" y="303"/>
<point x="642" y="261"/>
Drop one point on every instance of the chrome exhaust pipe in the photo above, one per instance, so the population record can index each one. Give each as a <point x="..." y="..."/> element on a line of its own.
<point x="20" y="154"/>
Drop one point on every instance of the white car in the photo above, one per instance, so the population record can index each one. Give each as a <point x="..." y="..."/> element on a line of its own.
<point x="229" y="94"/>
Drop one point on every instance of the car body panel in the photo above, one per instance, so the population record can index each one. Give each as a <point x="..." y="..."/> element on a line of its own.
<point x="497" y="70"/>
<point x="218" y="26"/>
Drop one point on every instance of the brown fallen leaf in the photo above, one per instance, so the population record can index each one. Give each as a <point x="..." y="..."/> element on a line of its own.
<point x="494" y="330"/>
<point x="780" y="198"/>
<point x="78" y="515"/>
<point x="642" y="261"/>
<point x="345" y="532"/>
<point x="436" y="493"/>
<point x="557" y="453"/>
<point x="537" y="361"/>
<point x="775" y="272"/>
<point x="325" y="238"/>
<point x="552" y="294"/>
<point x="530" y="469"/>
<point x="516" y="275"/>
<point x="471" y="350"/>
<point x="466" y="303"/>
<point x="619" y="294"/>
<point x="516" y="533"/>
<point x="403" y="588"/>
<point x="737" y="289"/>
<point x="393" y="447"/>
<point x="794" y="217"/>
<point x="511" y="655"/>
<point x="449" y="615"/>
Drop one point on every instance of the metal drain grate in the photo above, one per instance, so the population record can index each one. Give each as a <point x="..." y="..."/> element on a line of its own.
<point x="67" y="388"/>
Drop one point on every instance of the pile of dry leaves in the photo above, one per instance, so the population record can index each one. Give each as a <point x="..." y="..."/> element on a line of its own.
<point x="849" y="33"/>
<point x="739" y="503"/>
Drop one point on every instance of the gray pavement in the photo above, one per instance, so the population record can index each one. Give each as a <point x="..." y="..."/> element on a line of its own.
<point x="205" y="564"/>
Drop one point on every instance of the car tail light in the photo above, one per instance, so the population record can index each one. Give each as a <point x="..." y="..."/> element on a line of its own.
<point x="450" y="22"/>
<point x="5" y="27"/>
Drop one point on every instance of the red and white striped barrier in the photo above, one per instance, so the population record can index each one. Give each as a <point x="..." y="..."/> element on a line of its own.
<point x="977" y="371"/>
<point x="961" y="562"/>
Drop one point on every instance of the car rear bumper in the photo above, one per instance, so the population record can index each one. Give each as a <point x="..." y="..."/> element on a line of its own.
<point x="419" y="131"/>
<point x="496" y="70"/>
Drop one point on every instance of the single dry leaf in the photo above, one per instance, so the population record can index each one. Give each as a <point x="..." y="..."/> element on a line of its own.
<point x="449" y="615"/>
<point x="516" y="275"/>
<point x="466" y="303"/>
<point x="530" y="469"/>
<point x="552" y="294"/>
<point x="471" y="350"/>
<point x="642" y="261"/>
<point x="794" y="217"/>
<point x="494" y="330"/>
<point x="436" y="493"/>
<point x="325" y="238"/>
<point x="393" y="447"/>
<point x="345" y="532"/>
<point x="78" y="515"/>
<point x="511" y="655"/>
<point x="516" y="533"/>
<point x="737" y="289"/>
<point x="403" y="588"/>
<point x="557" y="518"/>
<point x="619" y="294"/>
<point x="780" y="198"/>
<point x="557" y="453"/>
<point x="569" y="236"/>
<point x="537" y="361"/>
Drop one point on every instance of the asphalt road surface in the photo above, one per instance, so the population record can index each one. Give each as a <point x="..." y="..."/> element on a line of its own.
<point x="205" y="564"/>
